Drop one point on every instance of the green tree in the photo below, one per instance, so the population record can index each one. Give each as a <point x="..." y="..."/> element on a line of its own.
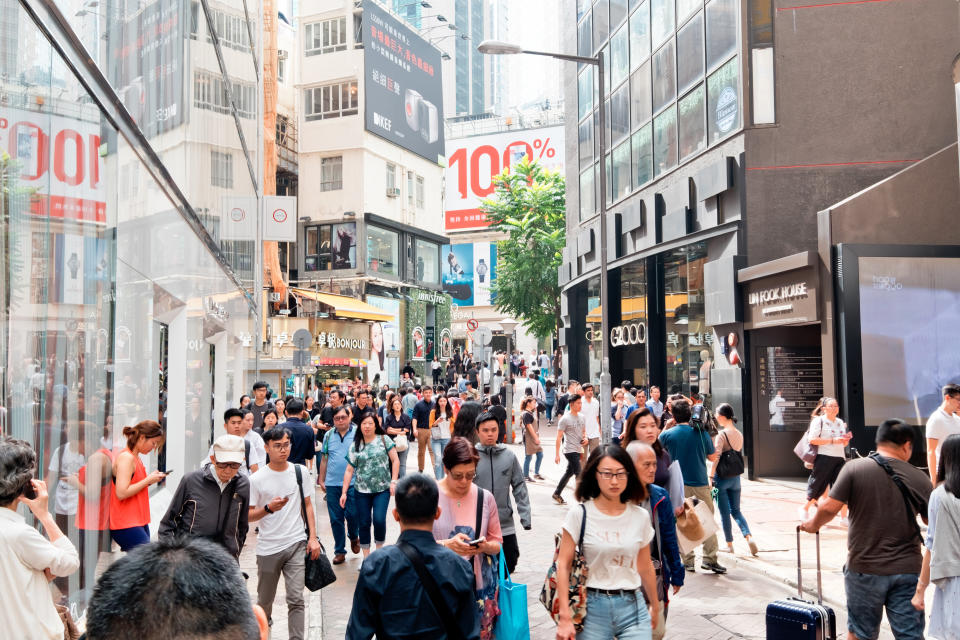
<point x="529" y="205"/>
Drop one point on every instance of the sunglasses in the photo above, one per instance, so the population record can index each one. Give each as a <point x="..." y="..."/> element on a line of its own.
<point x="228" y="465"/>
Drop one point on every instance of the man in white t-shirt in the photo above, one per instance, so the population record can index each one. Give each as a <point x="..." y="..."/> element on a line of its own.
<point x="284" y="540"/>
<point x="591" y="417"/>
<point x="237" y="422"/>
<point x="943" y="423"/>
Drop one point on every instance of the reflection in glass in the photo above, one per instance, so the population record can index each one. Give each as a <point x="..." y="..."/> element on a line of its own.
<point x="585" y="37"/>
<point x="642" y="156"/>
<point x="586" y="141"/>
<point x="619" y="56"/>
<point x="664" y="76"/>
<point x="665" y="141"/>
<point x="428" y="262"/>
<point x="383" y="251"/>
<point x="620" y="175"/>
<point x="692" y="124"/>
<point x="585" y="91"/>
<point x="640" y="97"/>
<point x="686" y="7"/>
<point x="593" y="335"/>
<point x="601" y="23"/>
<point x="661" y="20"/>
<point x="633" y="309"/>
<point x="588" y="205"/>
<point x="620" y="114"/>
<point x="618" y="11"/>
<point x="688" y="337"/>
<point x="690" y="54"/>
<point x="722" y="17"/>
<point x="639" y="35"/>
<point x="723" y="101"/>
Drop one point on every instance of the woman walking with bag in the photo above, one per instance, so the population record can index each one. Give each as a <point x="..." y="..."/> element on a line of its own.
<point x="829" y="434"/>
<point x="531" y="438"/>
<point x="440" y="418"/>
<point x="616" y="534"/>
<point x="726" y="476"/>
<point x="373" y="458"/>
<point x="397" y="423"/>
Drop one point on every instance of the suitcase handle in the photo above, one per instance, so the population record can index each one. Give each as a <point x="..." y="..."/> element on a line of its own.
<point x="800" y="570"/>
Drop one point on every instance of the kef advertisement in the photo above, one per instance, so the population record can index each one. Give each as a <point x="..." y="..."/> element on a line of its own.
<point x="468" y="270"/>
<point x="403" y="93"/>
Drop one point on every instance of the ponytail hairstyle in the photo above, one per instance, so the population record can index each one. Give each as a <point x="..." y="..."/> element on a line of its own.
<point x="146" y="429"/>
<point x="821" y="406"/>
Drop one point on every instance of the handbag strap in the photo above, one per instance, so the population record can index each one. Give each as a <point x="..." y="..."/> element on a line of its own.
<point x="583" y="526"/>
<point x="476" y="531"/>
<point x="303" y="502"/>
<point x="433" y="590"/>
<point x="909" y="502"/>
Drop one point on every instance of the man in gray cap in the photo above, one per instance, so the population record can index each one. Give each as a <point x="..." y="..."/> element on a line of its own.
<point x="213" y="501"/>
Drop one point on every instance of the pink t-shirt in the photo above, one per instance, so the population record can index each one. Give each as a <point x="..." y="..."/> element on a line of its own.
<point x="460" y="516"/>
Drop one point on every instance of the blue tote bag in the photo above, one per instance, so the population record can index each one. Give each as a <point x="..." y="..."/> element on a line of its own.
<point x="513" y="623"/>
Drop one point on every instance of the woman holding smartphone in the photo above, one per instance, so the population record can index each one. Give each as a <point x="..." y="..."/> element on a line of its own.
<point x="397" y="422"/>
<point x="130" y="500"/>
<point x="373" y="460"/>
<point x="469" y="525"/>
<point x="440" y="417"/>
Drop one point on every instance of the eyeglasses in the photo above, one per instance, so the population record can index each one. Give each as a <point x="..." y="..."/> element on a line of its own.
<point x="342" y="416"/>
<point x="228" y="465"/>
<point x="281" y="447"/>
<point x="610" y="475"/>
<point x="469" y="475"/>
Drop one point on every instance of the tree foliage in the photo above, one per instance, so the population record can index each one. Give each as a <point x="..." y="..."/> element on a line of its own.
<point x="529" y="205"/>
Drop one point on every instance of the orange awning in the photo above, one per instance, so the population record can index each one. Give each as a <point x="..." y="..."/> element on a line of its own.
<point x="344" y="306"/>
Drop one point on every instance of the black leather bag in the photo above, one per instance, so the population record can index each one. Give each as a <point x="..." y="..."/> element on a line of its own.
<point x="730" y="464"/>
<point x="317" y="573"/>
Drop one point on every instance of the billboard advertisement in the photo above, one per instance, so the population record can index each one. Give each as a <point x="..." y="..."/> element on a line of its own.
<point x="473" y="162"/>
<point x="403" y="93"/>
<point x="384" y="340"/>
<point x="468" y="270"/>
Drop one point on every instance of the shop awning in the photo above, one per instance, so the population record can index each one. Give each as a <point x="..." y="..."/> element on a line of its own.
<point x="634" y="308"/>
<point x="345" y="307"/>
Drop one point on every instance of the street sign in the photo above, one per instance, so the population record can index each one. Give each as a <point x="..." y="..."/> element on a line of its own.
<point x="302" y="339"/>
<point x="472" y="324"/>
<point x="301" y="358"/>
<point x="483" y="336"/>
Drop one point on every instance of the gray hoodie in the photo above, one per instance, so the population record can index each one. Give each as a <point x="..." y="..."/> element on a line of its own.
<point x="498" y="471"/>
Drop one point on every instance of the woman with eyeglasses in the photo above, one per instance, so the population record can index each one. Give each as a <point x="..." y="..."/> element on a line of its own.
<point x="396" y="423"/>
<point x="470" y="526"/>
<point x="616" y="546"/>
<point x="373" y="464"/>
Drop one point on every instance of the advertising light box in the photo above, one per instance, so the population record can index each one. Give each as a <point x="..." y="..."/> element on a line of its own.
<point x="403" y="91"/>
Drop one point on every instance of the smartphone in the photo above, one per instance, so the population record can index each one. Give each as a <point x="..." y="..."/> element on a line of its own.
<point x="29" y="492"/>
<point x="476" y="543"/>
<point x="168" y="471"/>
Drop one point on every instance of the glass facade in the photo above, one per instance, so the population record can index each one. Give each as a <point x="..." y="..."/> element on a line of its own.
<point x="116" y="305"/>
<point x="687" y="337"/>
<point x="383" y="251"/>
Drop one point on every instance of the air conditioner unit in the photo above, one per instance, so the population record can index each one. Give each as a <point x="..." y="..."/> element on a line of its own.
<point x="273" y="296"/>
<point x="393" y="192"/>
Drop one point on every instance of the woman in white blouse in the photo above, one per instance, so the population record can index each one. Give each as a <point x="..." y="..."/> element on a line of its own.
<point x="27" y="559"/>
<point x="616" y="546"/>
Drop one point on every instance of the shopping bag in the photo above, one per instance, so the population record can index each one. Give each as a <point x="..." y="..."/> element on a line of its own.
<point x="707" y="526"/>
<point x="513" y="623"/>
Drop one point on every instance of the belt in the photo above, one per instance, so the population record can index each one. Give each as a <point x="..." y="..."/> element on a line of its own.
<point x="613" y="592"/>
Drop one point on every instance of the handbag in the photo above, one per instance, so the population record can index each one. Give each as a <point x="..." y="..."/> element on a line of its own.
<point x="705" y="525"/>
<point x="316" y="573"/>
<point x="577" y="589"/>
<point x="514" y="622"/>
<point x="805" y="451"/>
<point x="401" y="443"/>
<point x="730" y="463"/>
<point x="70" y="631"/>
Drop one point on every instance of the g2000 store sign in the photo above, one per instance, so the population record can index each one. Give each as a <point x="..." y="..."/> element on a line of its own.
<point x="628" y="334"/>
<point x="59" y="160"/>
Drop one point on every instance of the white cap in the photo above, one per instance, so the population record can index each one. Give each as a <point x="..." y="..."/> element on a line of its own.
<point x="228" y="448"/>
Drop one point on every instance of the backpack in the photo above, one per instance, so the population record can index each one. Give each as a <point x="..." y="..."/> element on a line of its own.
<point x="246" y="453"/>
<point x="701" y="420"/>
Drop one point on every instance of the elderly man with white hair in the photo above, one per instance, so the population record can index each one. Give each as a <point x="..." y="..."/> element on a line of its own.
<point x="664" y="549"/>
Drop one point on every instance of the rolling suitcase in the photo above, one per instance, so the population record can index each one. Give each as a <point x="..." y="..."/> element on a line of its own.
<point x="799" y="619"/>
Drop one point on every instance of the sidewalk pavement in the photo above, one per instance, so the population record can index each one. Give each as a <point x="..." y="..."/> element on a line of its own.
<point x="709" y="607"/>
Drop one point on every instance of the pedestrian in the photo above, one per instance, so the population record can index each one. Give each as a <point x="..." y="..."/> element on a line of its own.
<point x="337" y="443"/>
<point x="639" y="401"/>
<point x="130" y="500"/>
<point x="654" y="403"/>
<point x="497" y="409"/>
<point x="244" y="401"/>
<point x="255" y="455"/>
<point x="302" y="439"/>
<point x="373" y="462"/>
<point x="618" y="412"/>
<point x="941" y="424"/>
<point x="363" y="405"/>
<point x="829" y="434"/>
<point x="573" y="387"/>
<point x="259" y="405"/>
<point x="883" y="543"/>
<point x="397" y="423"/>
<point x="469" y="525"/>
<point x="409" y="399"/>
<point x="310" y="406"/>
<point x="436" y="369"/>
<point x="591" y="418"/>
<point x="643" y="427"/>
<point x="572" y="437"/>
<point x="728" y="488"/>
<point x="664" y="548"/>
<point x="389" y="582"/>
<point x="550" y="399"/>
<point x="440" y="421"/>
<point x="465" y="421"/>
<point x="283" y="541"/>
<point x="531" y="438"/>
<point x="498" y="471"/>
<point x="213" y="502"/>
<point x="180" y="587"/>
<point x="420" y="419"/>
<point x="26" y="557"/>
<point x="280" y="407"/>
<point x="692" y="447"/>
<point x="270" y="420"/>
<point x="616" y="546"/>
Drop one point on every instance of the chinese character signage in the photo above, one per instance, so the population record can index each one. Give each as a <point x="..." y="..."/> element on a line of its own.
<point x="403" y="92"/>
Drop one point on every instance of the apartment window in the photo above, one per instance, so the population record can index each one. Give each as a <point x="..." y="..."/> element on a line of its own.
<point x="410" y="192"/>
<point x="231" y="30"/>
<point x="281" y="66"/>
<point x="326" y="36"/>
<point x="421" y="192"/>
<point x="331" y="100"/>
<point x="331" y="173"/>
<point x="221" y="169"/>
<point x="210" y="93"/>
<point x="391" y="176"/>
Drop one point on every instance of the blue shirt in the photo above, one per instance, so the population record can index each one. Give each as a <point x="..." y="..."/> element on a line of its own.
<point x="335" y="449"/>
<point x="690" y="448"/>
<point x="656" y="407"/>
<point x="302" y="440"/>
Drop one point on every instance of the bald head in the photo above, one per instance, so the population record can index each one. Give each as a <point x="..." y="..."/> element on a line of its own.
<point x="645" y="459"/>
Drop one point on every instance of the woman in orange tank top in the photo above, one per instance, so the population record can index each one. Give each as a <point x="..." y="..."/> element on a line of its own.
<point x="129" y="498"/>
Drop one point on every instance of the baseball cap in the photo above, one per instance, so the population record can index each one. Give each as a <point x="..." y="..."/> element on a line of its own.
<point x="228" y="448"/>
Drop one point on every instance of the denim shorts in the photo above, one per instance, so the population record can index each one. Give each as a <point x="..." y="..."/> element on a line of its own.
<point x="623" y="616"/>
<point x="868" y="594"/>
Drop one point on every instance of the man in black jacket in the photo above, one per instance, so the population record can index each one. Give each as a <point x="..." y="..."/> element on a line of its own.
<point x="212" y="502"/>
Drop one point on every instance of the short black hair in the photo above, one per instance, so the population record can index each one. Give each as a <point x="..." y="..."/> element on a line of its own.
<point x="270" y="412"/>
<point x="277" y="433"/>
<point x="681" y="411"/>
<point x="233" y="413"/>
<point x="336" y="393"/>
<point x="487" y="416"/>
<point x="175" y="588"/>
<point x="586" y="385"/>
<point x="573" y="397"/>
<point x="951" y="389"/>
<point x="338" y="410"/>
<point x="417" y="497"/>
<point x="18" y="461"/>
<point x="588" y="487"/>
<point x="260" y="384"/>
<point x="294" y="407"/>
<point x="896" y="432"/>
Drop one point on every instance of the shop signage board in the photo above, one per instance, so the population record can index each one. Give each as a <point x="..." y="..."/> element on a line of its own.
<point x="781" y="299"/>
<point x="467" y="271"/>
<point x="789" y="384"/>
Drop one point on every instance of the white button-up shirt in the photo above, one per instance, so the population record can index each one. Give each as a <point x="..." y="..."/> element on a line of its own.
<point x="27" y="607"/>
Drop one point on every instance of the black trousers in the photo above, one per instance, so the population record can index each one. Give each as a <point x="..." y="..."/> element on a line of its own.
<point x="436" y="377"/>
<point x="511" y="551"/>
<point x="573" y="470"/>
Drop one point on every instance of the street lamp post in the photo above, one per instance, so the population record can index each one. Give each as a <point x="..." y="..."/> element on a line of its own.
<point x="494" y="47"/>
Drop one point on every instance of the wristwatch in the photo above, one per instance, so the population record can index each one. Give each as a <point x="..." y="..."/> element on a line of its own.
<point x="266" y="508"/>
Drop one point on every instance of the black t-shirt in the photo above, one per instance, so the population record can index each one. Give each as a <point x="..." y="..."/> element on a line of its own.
<point x="403" y="422"/>
<point x="421" y="413"/>
<point x="562" y="403"/>
<point x="356" y="413"/>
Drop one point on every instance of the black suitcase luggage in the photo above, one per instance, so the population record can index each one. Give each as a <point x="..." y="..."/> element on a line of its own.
<point x="799" y="619"/>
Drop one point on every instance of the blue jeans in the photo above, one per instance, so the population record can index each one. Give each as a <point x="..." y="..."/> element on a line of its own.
<point x="526" y="463"/>
<point x="337" y="516"/>
<point x="868" y="594"/>
<point x="132" y="537"/>
<point x="438" y="445"/>
<point x="622" y="616"/>
<point x="550" y="412"/>
<point x="402" y="457"/>
<point x="728" y="499"/>
<point x="372" y="506"/>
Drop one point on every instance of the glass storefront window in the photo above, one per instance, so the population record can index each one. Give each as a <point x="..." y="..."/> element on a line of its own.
<point x="330" y="246"/>
<point x="428" y="263"/>
<point x="383" y="251"/>
<point x="687" y="336"/>
<point x="593" y="335"/>
<point x="633" y="311"/>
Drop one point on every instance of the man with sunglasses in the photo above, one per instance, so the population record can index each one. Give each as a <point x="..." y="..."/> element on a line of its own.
<point x="213" y="502"/>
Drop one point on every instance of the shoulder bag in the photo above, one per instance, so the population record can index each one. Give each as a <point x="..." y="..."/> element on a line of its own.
<point x="909" y="502"/>
<point x="804" y="450"/>
<point x="400" y="441"/>
<point x="577" y="588"/>
<point x="317" y="573"/>
<point x="454" y="632"/>
<point x="730" y="464"/>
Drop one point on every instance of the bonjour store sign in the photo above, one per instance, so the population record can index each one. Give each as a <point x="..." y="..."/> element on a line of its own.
<point x="788" y="298"/>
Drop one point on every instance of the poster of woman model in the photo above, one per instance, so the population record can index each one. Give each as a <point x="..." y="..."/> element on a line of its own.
<point x="419" y="343"/>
